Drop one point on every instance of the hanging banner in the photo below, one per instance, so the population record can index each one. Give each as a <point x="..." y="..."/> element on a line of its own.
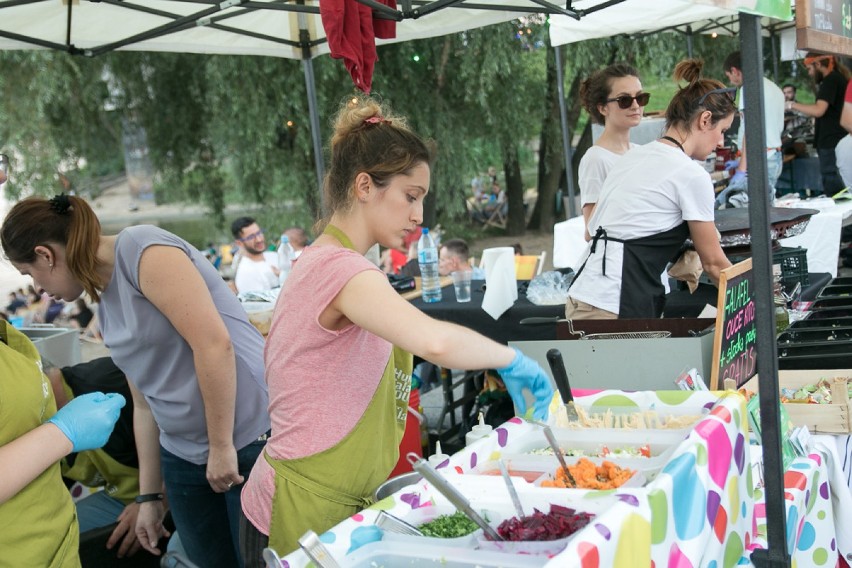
<point x="824" y="26"/>
<point x="777" y="9"/>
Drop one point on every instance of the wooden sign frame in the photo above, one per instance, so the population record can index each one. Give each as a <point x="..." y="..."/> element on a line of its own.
<point x="726" y="276"/>
<point x="811" y="38"/>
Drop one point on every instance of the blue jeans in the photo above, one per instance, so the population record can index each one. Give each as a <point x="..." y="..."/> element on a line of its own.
<point x="98" y="510"/>
<point x="208" y="522"/>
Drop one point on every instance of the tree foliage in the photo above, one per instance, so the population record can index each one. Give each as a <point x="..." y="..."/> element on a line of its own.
<point x="235" y="129"/>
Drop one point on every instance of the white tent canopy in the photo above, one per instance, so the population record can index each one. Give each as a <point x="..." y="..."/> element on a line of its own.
<point x="256" y="27"/>
<point x="647" y="16"/>
<point x="278" y="28"/>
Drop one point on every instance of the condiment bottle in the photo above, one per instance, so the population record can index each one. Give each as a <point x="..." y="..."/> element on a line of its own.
<point x="782" y="315"/>
<point x="437" y="458"/>
<point x="478" y="431"/>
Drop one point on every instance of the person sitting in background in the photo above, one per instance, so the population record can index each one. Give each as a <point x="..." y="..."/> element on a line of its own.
<point x="455" y="255"/>
<point x="15" y="304"/>
<point x="298" y="239"/>
<point x="82" y="315"/>
<point x="797" y="127"/>
<point x="39" y="525"/>
<point x="115" y="466"/>
<point x="258" y="268"/>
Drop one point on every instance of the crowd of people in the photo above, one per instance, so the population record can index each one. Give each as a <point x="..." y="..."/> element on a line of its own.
<point x="232" y="434"/>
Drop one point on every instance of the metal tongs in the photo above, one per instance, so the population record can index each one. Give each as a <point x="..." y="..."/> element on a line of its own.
<point x="394" y="524"/>
<point x="557" y="367"/>
<point x="461" y="503"/>
<point x="316" y="551"/>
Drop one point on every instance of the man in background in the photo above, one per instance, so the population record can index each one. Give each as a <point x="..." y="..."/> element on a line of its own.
<point x="796" y="125"/>
<point x="257" y="270"/>
<point x="455" y="255"/>
<point x="773" y="106"/>
<point x="831" y="78"/>
<point x="298" y="239"/>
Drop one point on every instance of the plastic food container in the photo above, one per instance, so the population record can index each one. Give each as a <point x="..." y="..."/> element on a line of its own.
<point x="426" y="514"/>
<point x="390" y="554"/>
<point x="662" y="444"/>
<point x="536" y="469"/>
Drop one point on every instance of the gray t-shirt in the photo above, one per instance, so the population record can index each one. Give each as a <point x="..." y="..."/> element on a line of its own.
<point x="159" y="362"/>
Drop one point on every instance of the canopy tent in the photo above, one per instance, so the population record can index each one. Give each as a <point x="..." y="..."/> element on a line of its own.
<point x="641" y="17"/>
<point x="277" y="28"/>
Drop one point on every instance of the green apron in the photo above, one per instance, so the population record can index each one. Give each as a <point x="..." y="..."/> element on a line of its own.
<point x="38" y="525"/>
<point x="318" y="491"/>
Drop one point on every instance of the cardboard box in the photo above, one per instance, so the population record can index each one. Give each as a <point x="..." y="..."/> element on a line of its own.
<point x="834" y="418"/>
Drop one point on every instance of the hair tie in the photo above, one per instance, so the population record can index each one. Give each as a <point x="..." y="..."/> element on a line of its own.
<point x="377" y="119"/>
<point x="60" y="204"/>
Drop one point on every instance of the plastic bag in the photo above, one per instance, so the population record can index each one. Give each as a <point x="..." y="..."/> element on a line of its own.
<point x="549" y="288"/>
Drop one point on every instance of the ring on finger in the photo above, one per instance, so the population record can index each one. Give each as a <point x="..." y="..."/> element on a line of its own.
<point x="230" y="484"/>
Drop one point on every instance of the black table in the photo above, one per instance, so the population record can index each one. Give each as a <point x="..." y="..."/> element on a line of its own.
<point x="507" y="328"/>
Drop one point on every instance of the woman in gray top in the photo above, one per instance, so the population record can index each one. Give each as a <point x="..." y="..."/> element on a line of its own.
<point x="193" y="360"/>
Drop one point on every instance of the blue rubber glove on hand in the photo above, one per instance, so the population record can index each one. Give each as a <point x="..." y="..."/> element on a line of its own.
<point x="88" y="420"/>
<point x="738" y="177"/>
<point x="522" y="373"/>
<point x="731" y="164"/>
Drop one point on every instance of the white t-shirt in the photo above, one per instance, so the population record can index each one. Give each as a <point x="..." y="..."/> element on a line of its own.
<point x="594" y="167"/>
<point x="773" y="106"/>
<point x="256" y="276"/>
<point x="650" y="190"/>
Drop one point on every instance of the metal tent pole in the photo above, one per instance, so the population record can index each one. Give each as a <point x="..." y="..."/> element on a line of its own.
<point x="775" y="555"/>
<point x="311" y="88"/>
<point x="689" y="47"/>
<point x="566" y="139"/>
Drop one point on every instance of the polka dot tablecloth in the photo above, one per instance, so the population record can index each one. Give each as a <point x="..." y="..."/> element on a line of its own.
<point x="702" y="509"/>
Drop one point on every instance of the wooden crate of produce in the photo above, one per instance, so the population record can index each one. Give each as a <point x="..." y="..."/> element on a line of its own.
<point x="834" y="418"/>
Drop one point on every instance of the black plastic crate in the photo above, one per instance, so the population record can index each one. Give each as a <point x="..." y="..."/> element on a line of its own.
<point x="794" y="266"/>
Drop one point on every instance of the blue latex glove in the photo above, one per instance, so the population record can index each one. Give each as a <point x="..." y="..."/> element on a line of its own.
<point x="522" y="373"/>
<point x="731" y="164"/>
<point x="738" y="177"/>
<point x="88" y="420"/>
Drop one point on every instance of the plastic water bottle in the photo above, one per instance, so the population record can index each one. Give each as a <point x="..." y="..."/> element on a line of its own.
<point x="427" y="258"/>
<point x="285" y="259"/>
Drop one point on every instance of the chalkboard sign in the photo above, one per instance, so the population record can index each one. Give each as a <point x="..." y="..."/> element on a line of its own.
<point x="735" y="344"/>
<point x="824" y="25"/>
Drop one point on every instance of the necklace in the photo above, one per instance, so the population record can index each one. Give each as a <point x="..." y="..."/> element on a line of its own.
<point x="673" y="141"/>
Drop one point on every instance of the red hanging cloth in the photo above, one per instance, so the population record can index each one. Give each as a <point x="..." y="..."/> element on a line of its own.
<point x="351" y="31"/>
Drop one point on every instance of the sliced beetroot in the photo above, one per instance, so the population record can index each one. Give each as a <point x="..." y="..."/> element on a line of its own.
<point x="560" y="522"/>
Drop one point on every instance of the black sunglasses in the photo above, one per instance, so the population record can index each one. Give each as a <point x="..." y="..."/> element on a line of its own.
<point x="626" y="101"/>
<point x="730" y="91"/>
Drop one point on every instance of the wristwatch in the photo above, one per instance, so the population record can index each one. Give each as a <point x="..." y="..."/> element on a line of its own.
<point x="149" y="497"/>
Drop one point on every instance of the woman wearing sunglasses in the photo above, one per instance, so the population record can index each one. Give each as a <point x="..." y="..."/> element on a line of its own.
<point x="655" y="197"/>
<point x="613" y="97"/>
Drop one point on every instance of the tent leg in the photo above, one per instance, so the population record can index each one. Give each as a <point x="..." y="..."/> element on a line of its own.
<point x="751" y="47"/>
<point x="566" y="142"/>
<point x="310" y="85"/>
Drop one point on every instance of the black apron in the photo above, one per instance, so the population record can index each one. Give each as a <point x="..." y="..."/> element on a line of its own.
<point x="644" y="259"/>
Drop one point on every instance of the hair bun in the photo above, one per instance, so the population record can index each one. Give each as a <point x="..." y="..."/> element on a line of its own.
<point x="60" y="204"/>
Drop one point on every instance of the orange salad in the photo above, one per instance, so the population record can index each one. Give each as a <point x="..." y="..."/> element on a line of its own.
<point x="586" y="475"/>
